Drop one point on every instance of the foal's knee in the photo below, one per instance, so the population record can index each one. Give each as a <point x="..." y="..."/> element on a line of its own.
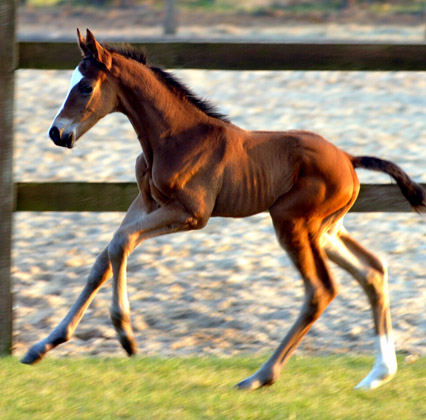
<point x="119" y="247"/>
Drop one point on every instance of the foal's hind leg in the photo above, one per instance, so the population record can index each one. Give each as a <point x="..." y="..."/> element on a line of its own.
<point x="371" y="273"/>
<point x="301" y="243"/>
<point x="99" y="274"/>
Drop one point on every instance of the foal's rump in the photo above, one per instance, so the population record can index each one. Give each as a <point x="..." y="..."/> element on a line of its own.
<point x="326" y="176"/>
<point x="324" y="180"/>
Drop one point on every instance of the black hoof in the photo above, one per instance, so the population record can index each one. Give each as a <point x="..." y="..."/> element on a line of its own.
<point x="248" y="385"/>
<point x="256" y="381"/>
<point x="128" y="344"/>
<point x="34" y="355"/>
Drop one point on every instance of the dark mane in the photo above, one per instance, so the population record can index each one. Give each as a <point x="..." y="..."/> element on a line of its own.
<point x="181" y="90"/>
<point x="170" y="80"/>
<point x="128" y="51"/>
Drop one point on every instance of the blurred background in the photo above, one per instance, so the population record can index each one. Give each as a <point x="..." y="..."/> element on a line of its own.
<point x="348" y="19"/>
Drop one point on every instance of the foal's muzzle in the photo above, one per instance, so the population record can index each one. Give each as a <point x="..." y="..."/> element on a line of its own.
<point x="60" y="138"/>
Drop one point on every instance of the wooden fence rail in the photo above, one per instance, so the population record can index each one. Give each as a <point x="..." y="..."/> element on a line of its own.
<point x="117" y="196"/>
<point x="245" y="55"/>
<point x="218" y="55"/>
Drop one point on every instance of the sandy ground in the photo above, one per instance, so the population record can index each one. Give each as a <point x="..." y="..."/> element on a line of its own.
<point x="228" y="289"/>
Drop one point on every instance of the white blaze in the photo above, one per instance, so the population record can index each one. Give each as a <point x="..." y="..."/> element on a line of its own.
<point x="75" y="79"/>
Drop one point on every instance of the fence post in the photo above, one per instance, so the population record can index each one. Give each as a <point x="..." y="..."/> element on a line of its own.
<point x="170" y="17"/>
<point x="425" y="20"/>
<point x="7" y="74"/>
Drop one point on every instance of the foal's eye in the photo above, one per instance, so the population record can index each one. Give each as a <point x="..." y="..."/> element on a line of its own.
<point x="86" y="89"/>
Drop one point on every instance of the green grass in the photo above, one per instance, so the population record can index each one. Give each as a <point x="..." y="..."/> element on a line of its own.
<point x="412" y="7"/>
<point x="42" y="3"/>
<point x="202" y="388"/>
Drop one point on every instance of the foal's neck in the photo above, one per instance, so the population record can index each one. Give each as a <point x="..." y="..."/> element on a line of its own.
<point x="155" y="112"/>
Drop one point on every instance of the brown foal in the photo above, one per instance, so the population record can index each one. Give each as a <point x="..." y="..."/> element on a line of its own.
<point x="195" y="164"/>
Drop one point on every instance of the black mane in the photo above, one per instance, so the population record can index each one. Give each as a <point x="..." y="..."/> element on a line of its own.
<point x="128" y="51"/>
<point x="170" y="80"/>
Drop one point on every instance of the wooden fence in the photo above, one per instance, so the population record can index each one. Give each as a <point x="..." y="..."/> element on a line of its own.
<point x="245" y="55"/>
<point x="223" y="55"/>
<point x="7" y="67"/>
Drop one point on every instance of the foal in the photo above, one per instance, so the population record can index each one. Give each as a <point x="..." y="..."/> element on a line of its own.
<point x="196" y="164"/>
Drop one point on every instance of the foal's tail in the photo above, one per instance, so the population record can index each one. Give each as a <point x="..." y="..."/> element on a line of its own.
<point x="412" y="191"/>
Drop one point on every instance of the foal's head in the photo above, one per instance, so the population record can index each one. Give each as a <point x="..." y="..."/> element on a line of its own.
<point x="91" y="95"/>
<point x="97" y="89"/>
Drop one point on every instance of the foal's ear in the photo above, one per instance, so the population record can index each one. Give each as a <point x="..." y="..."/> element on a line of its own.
<point x="82" y="44"/>
<point x="98" y="52"/>
<point x="91" y="48"/>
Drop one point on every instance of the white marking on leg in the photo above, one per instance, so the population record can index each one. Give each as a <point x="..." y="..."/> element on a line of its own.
<point x="385" y="365"/>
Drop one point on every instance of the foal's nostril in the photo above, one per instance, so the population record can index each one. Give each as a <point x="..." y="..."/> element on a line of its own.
<point x="55" y="135"/>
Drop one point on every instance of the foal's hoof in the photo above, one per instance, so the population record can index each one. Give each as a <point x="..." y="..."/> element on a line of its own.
<point x="255" y="381"/>
<point x="248" y="385"/>
<point x="34" y="354"/>
<point x="377" y="377"/>
<point x="128" y="344"/>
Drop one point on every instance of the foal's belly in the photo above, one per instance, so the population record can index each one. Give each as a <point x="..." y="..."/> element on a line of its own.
<point x="243" y="195"/>
<point x="239" y="207"/>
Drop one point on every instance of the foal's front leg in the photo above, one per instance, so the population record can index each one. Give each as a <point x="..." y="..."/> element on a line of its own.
<point x="100" y="273"/>
<point x="137" y="226"/>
